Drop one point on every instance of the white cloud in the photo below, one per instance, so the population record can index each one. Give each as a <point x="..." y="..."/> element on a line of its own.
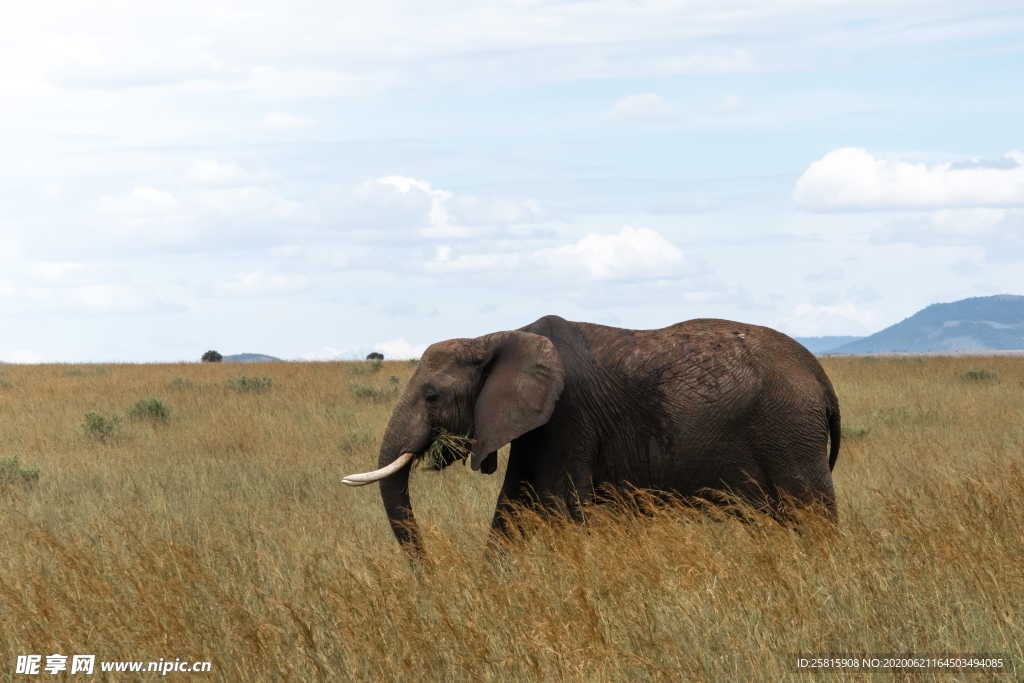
<point x="257" y="202"/>
<point x="137" y="139"/>
<point x="144" y="218"/>
<point x="328" y="256"/>
<point x="404" y="203"/>
<point x="55" y="272"/>
<point x="212" y="172"/>
<point x="259" y="283"/>
<point x="831" y="319"/>
<point x="732" y="61"/>
<point x="446" y="261"/>
<point x="330" y="353"/>
<point x="22" y="356"/>
<point x="275" y="83"/>
<point x="393" y="349"/>
<point x="652" y="108"/>
<point x="140" y="201"/>
<point x="630" y="253"/>
<point x="733" y="105"/>
<point x="96" y="298"/>
<point x="853" y="179"/>
<point x="643" y="107"/>
<point x="438" y="220"/>
<point x="476" y="211"/>
<point x="195" y="44"/>
<point x="399" y="349"/>
<point x="278" y="120"/>
<point x="967" y="221"/>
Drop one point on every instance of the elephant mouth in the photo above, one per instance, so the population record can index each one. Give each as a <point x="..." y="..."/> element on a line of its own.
<point x="445" y="449"/>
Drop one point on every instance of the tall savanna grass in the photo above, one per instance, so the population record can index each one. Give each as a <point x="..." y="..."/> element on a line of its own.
<point x="223" y="533"/>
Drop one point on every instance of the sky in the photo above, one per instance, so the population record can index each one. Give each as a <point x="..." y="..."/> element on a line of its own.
<point x="317" y="180"/>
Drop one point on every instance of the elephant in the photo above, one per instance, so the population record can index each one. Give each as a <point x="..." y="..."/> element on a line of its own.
<point x="702" y="405"/>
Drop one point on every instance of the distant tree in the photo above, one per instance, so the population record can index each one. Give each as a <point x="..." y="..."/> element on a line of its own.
<point x="375" y="355"/>
<point x="212" y="356"/>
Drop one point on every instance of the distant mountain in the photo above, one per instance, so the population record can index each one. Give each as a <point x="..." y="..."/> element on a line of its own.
<point x="249" y="358"/>
<point x="986" y="323"/>
<point x="824" y="344"/>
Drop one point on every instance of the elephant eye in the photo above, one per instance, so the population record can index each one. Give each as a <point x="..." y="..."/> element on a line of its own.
<point x="430" y="394"/>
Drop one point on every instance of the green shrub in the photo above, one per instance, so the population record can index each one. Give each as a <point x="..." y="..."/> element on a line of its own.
<point x="4" y="384"/>
<point x="180" y="383"/>
<point x="979" y="376"/>
<point x="13" y="474"/>
<point x="101" y="427"/>
<point x="256" y="385"/>
<point x="87" y="371"/>
<point x="150" y="409"/>
<point x="905" y="415"/>
<point x="367" y="367"/>
<point x="375" y="394"/>
<point x="851" y="433"/>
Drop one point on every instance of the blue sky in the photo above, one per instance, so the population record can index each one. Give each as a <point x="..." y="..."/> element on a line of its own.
<point x="318" y="180"/>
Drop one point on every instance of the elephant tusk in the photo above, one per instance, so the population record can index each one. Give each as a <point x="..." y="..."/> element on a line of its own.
<point x="382" y="473"/>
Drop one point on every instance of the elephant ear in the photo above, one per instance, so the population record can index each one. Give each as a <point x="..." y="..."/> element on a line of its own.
<point x="523" y="380"/>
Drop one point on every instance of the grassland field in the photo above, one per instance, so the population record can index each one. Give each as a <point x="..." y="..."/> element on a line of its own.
<point x="213" y="525"/>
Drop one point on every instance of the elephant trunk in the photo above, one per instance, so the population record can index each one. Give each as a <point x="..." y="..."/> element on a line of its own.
<point x="407" y="433"/>
<point x="394" y="493"/>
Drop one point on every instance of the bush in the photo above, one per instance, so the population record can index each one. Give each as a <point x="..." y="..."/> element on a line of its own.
<point x="212" y="356"/>
<point x="12" y="474"/>
<point x="368" y="367"/>
<point x="255" y="385"/>
<point x="101" y="427"/>
<point x="180" y="383"/>
<point x="979" y="376"/>
<point x="88" y="371"/>
<point x="150" y="409"/>
<point x="375" y="355"/>
<point x="851" y="433"/>
<point x="375" y="394"/>
<point x="4" y="384"/>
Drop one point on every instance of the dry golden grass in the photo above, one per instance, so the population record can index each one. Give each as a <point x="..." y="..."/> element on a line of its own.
<point x="225" y="534"/>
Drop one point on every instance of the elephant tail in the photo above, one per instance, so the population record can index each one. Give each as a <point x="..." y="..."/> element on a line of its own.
<point x="834" y="430"/>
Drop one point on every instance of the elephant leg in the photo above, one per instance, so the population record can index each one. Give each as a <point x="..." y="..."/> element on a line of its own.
<point x="579" y="495"/>
<point x="516" y="492"/>
<point x="800" y="476"/>
<point x="805" y="488"/>
<point x="749" y="484"/>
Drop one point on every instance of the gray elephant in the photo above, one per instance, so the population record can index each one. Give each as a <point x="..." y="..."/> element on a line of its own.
<point x="703" y="404"/>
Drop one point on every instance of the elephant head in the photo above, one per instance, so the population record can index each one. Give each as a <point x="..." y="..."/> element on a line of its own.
<point x="493" y="388"/>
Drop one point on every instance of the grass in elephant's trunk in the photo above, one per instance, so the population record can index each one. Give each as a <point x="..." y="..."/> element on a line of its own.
<point x="445" y="449"/>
